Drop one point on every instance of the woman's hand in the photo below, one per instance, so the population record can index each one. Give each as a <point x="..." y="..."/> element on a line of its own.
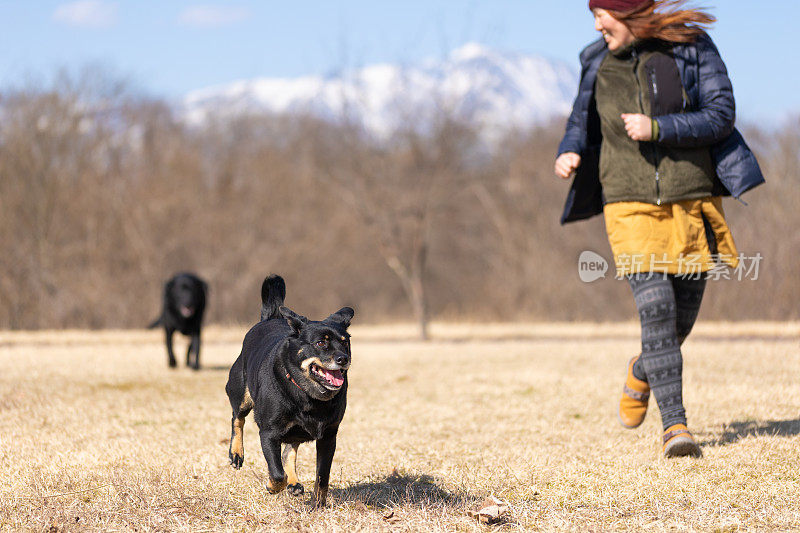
<point x="638" y="126"/>
<point x="566" y="164"/>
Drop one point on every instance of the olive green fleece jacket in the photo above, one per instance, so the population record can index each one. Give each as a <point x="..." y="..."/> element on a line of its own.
<point x="645" y="171"/>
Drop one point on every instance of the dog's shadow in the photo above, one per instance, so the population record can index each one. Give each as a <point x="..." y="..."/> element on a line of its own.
<point x="398" y="489"/>
<point x="735" y="431"/>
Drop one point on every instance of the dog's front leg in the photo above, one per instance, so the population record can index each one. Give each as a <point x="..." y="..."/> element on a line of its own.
<point x="194" y="347"/>
<point x="326" y="447"/>
<point x="272" y="453"/>
<point x="294" y="486"/>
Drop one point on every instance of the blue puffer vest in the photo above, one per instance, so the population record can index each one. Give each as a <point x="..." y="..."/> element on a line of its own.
<point x="709" y="122"/>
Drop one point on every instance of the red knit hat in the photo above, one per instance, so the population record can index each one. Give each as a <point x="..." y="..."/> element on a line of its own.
<point x="619" y="5"/>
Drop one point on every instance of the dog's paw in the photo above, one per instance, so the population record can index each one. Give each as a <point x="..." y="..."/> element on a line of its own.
<point x="296" y="489"/>
<point x="173" y="364"/>
<point x="275" y="486"/>
<point x="236" y="460"/>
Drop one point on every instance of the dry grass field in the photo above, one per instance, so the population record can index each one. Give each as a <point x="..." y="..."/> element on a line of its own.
<point x="97" y="434"/>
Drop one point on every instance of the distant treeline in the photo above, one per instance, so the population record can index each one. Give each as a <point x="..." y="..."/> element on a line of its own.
<point x="105" y="193"/>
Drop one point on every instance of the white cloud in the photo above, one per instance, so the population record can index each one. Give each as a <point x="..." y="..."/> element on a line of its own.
<point x="210" y="16"/>
<point x="87" y="14"/>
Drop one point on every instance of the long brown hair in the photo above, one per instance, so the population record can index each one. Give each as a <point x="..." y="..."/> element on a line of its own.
<point x="665" y="20"/>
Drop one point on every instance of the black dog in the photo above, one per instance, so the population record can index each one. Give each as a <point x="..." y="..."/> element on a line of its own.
<point x="184" y="304"/>
<point x="293" y="373"/>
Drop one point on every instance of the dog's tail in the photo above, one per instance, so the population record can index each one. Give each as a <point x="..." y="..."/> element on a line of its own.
<point x="273" y="292"/>
<point x="157" y="322"/>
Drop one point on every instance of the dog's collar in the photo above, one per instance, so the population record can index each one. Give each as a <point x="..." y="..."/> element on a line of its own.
<point x="289" y="377"/>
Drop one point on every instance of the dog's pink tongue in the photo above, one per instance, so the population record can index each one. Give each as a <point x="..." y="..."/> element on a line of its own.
<point x="334" y="377"/>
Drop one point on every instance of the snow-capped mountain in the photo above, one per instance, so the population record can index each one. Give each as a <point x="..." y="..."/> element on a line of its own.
<point x="493" y="90"/>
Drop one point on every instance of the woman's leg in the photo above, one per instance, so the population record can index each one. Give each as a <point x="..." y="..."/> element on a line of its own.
<point x="661" y="355"/>
<point x="688" y="296"/>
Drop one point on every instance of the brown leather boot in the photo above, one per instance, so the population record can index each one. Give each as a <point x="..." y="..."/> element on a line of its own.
<point x="635" y="395"/>
<point x="678" y="442"/>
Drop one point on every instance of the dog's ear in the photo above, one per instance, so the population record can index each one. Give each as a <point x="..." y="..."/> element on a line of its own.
<point x="343" y="316"/>
<point x="296" y="322"/>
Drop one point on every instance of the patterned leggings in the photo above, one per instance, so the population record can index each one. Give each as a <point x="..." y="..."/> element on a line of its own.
<point x="668" y="307"/>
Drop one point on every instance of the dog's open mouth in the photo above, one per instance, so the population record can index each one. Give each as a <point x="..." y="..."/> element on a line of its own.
<point x="331" y="379"/>
<point x="186" y="311"/>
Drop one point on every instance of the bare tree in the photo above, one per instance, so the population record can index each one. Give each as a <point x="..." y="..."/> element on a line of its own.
<point x="399" y="190"/>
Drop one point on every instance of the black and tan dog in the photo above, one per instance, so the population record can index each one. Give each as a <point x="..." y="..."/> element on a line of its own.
<point x="184" y="302"/>
<point x="292" y="373"/>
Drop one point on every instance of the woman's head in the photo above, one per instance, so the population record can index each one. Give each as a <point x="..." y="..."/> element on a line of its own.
<point x="623" y="21"/>
<point x="615" y="32"/>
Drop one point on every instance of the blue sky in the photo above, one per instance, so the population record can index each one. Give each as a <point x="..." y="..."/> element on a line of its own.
<point x="171" y="47"/>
